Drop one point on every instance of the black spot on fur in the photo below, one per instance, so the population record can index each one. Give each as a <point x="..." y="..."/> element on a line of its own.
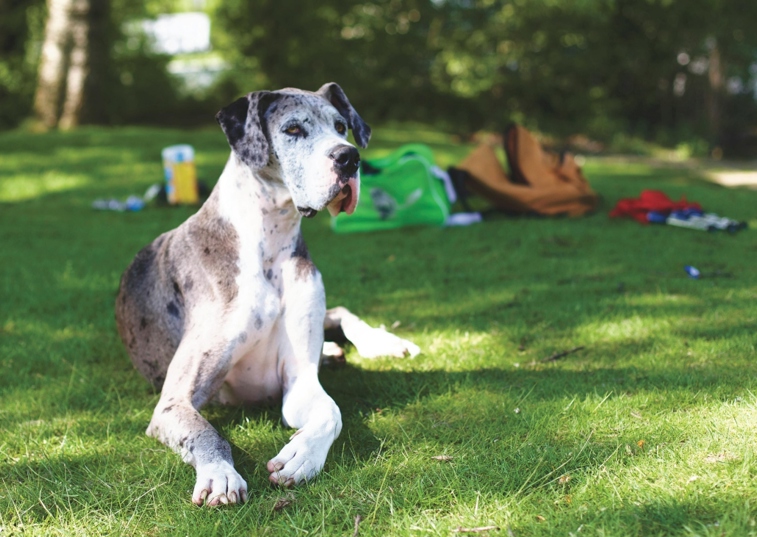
<point x="167" y="409"/>
<point x="269" y="274"/>
<point x="143" y="323"/>
<point x="172" y="309"/>
<point x="258" y="322"/>
<point x="304" y="266"/>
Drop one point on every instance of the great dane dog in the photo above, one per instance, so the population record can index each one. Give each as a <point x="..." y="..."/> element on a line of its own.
<point x="228" y="307"/>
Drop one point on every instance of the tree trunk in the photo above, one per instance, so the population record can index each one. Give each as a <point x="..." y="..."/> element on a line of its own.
<point x="73" y="64"/>
<point x="714" y="95"/>
<point x="53" y="63"/>
<point x="78" y="64"/>
<point x="97" y="100"/>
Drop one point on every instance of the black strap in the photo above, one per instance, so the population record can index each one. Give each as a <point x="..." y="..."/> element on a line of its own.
<point x="459" y="179"/>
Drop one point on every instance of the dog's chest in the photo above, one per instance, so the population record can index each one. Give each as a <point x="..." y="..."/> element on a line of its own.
<point x="259" y="303"/>
<point x="255" y="376"/>
<point x="268" y="230"/>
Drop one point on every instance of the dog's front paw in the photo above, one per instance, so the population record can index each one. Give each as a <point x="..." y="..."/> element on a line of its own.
<point x="376" y="342"/>
<point x="219" y="484"/>
<point x="300" y="460"/>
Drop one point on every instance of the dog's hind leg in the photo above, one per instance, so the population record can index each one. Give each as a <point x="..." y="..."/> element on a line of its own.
<point x="370" y="342"/>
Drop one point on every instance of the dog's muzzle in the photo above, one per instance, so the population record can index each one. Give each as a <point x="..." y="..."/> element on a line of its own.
<point x="346" y="165"/>
<point x="346" y="160"/>
<point x="346" y="190"/>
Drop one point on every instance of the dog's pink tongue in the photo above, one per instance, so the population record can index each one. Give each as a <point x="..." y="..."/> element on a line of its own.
<point x="350" y="201"/>
<point x="346" y="200"/>
<point x="336" y="205"/>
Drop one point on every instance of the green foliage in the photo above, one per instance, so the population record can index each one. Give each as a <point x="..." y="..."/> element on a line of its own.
<point x="133" y="84"/>
<point x="594" y="67"/>
<point x="649" y="430"/>
<point x="591" y="66"/>
<point x="21" y="24"/>
<point x="376" y="51"/>
<point x="140" y="88"/>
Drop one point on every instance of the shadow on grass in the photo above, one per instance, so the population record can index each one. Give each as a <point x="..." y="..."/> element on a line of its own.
<point x="467" y="413"/>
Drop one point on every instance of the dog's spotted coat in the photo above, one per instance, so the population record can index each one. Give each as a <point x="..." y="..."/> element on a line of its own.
<point x="229" y="306"/>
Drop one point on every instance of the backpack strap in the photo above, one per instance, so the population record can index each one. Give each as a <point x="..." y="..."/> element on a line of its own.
<point x="510" y="140"/>
<point x="459" y="179"/>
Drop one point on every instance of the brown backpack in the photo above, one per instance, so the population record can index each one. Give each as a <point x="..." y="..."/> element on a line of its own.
<point x="540" y="181"/>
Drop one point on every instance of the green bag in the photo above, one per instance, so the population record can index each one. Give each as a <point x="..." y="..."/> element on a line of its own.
<point x="396" y="191"/>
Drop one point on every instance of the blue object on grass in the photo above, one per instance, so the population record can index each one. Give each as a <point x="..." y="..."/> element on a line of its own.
<point x="132" y="203"/>
<point x="654" y="217"/>
<point x="693" y="272"/>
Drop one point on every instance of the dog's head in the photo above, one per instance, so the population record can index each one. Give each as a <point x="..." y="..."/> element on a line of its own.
<point x="300" y="139"/>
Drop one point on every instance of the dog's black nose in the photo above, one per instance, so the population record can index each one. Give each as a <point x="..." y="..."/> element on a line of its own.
<point x="346" y="160"/>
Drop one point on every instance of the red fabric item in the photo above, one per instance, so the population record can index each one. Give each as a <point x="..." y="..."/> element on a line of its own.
<point x="650" y="200"/>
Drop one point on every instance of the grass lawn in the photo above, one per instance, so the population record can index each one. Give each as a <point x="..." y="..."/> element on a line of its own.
<point x="649" y="430"/>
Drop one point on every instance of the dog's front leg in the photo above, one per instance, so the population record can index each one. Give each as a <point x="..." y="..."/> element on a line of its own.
<point x="306" y="406"/>
<point x="195" y="374"/>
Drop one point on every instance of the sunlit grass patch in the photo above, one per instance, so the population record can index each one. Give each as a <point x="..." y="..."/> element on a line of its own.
<point x="23" y="187"/>
<point x="630" y="328"/>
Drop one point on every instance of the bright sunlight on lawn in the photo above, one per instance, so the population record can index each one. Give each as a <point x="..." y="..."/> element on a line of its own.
<point x="648" y="430"/>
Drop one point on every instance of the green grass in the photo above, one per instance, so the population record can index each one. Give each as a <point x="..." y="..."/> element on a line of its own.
<point x="650" y="430"/>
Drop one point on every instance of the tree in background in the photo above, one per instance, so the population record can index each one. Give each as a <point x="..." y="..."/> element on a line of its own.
<point x="669" y="71"/>
<point x="21" y="24"/>
<point x="72" y="66"/>
<point x="378" y="51"/>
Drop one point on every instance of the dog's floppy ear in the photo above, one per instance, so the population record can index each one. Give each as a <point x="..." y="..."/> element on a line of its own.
<point x="334" y="94"/>
<point x="242" y="122"/>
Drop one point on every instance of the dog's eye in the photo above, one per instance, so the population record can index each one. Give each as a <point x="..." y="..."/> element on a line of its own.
<point x="341" y="128"/>
<point x="294" y="130"/>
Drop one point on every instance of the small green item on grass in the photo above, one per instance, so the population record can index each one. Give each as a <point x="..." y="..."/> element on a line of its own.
<point x="398" y="190"/>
